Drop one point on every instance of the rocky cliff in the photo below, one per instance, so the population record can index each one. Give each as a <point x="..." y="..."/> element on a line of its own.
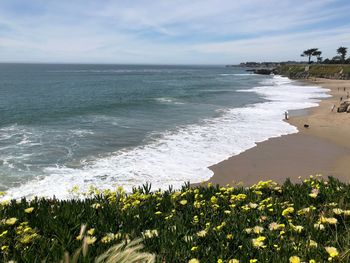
<point x="314" y="71"/>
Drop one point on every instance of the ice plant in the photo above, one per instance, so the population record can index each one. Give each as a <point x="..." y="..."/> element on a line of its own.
<point x="259" y="242"/>
<point x="280" y="224"/>
<point x="294" y="259"/>
<point x="11" y="221"/>
<point x="29" y="210"/>
<point x="314" y="193"/>
<point x="332" y="251"/>
<point x="183" y="202"/>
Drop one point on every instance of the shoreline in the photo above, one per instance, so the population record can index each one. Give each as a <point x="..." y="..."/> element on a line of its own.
<point x="323" y="148"/>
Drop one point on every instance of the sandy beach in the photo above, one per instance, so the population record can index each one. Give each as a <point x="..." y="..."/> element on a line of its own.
<point x="322" y="148"/>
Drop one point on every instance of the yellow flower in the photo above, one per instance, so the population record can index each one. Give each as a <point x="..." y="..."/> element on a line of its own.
<point x="4" y="248"/>
<point x="312" y="261"/>
<point x="90" y="240"/>
<point x="194" y="248"/>
<point x="107" y="238"/>
<point x="229" y="236"/>
<point x="259" y="242"/>
<point x="202" y="233"/>
<point x="28" y="238"/>
<point x="275" y="226"/>
<point x="188" y="239"/>
<point x="294" y="259"/>
<point x="258" y="229"/>
<point x="197" y="204"/>
<point x="220" y="260"/>
<point x="96" y="206"/>
<point x="4" y="233"/>
<point x="213" y="199"/>
<point x="193" y="260"/>
<point x="331" y="220"/>
<point x="287" y="211"/>
<point x="150" y="233"/>
<point x="248" y="230"/>
<point x="91" y="231"/>
<point x="183" y="202"/>
<point x="314" y="193"/>
<point x="11" y="221"/>
<point x="312" y="243"/>
<point x="253" y="260"/>
<point x="253" y="205"/>
<point x="298" y="229"/>
<point x="233" y="261"/>
<point x="29" y="210"/>
<point x="319" y="226"/>
<point x="332" y="251"/>
<point x="337" y="211"/>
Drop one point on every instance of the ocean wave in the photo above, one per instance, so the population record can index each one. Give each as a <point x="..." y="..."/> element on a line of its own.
<point x="184" y="154"/>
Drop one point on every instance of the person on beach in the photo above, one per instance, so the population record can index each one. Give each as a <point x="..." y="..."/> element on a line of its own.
<point x="341" y="98"/>
<point x="286" y="115"/>
<point x="344" y="88"/>
<point x="333" y="107"/>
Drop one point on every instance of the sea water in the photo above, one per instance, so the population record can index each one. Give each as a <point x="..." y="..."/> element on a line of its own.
<point x="125" y="125"/>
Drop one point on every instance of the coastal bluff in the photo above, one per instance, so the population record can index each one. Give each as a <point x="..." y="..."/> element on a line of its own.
<point x="314" y="71"/>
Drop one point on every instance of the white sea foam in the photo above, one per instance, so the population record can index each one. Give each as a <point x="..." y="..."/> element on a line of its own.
<point x="81" y="132"/>
<point x="184" y="155"/>
<point x="168" y="100"/>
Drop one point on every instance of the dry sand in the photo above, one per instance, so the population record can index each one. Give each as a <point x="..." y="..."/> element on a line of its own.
<point x="323" y="148"/>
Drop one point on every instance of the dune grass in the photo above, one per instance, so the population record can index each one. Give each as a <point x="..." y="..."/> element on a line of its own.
<point x="304" y="222"/>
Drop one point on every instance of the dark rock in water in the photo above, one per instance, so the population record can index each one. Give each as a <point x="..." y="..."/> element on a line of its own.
<point x="263" y="71"/>
<point x="306" y="125"/>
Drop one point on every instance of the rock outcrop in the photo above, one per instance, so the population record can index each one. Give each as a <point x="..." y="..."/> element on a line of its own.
<point x="344" y="106"/>
<point x="263" y="71"/>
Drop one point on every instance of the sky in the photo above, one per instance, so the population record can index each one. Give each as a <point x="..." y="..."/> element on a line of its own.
<point x="170" y="31"/>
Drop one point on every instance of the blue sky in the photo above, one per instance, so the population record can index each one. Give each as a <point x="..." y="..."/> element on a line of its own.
<point x="170" y="31"/>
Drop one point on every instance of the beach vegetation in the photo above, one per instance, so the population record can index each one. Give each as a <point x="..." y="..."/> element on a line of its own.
<point x="307" y="221"/>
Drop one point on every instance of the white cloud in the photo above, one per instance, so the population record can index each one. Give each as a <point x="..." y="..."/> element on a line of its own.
<point x="175" y="31"/>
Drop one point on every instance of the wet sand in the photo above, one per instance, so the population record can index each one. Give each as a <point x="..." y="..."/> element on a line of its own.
<point x="323" y="148"/>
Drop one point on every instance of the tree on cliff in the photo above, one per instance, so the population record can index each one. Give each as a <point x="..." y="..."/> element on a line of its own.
<point x="309" y="53"/>
<point x="318" y="53"/>
<point x="342" y="52"/>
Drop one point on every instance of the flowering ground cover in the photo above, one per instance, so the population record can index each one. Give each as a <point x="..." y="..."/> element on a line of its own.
<point x="304" y="222"/>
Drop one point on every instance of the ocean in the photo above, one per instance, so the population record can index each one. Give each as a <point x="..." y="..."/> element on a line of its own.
<point x="124" y="125"/>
